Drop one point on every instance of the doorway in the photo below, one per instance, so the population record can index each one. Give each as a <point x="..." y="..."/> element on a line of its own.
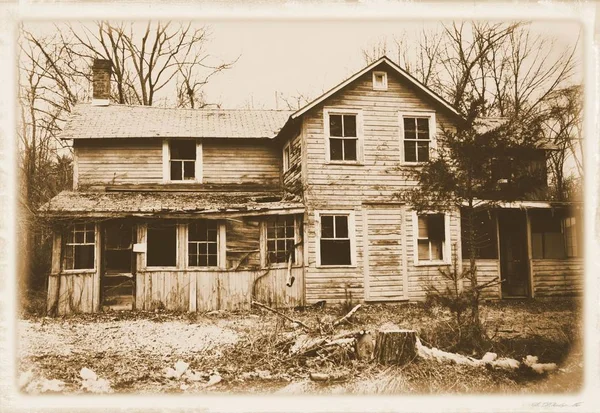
<point x="118" y="266"/>
<point x="514" y="265"/>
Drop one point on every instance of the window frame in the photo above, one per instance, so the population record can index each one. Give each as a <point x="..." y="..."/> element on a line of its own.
<point x="166" y="163"/>
<point x="64" y="243"/>
<point x="359" y="135"/>
<point x="286" y="161"/>
<point x="432" y="133"/>
<point x="351" y="235"/>
<point x="264" y="242"/>
<point x="384" y="84"/>
<point x="220" y="238"/>
<point x="446" y="253"/>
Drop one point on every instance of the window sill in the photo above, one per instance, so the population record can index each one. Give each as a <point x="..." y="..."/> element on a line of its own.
<point x="81" y="271"/>
<point x="158" y="269"/>
<point x="335" y="266"/>
<point x="354" y="163"/>
<point x="183" y="182"/>
<point x="404" y="163"/>
<point x="430" y="263"/>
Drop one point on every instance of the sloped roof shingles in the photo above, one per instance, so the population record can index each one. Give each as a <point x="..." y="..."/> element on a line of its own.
<point x="123" y="121"/>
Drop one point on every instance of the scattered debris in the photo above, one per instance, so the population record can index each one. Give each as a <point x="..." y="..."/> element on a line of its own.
<point x="91" y="383"/>
<point x="489" y="357"/>
<point x="214" y="379"/>
<point x="539" y="368"/>
<point x="55" y="386"/>
<point x="319" y="376"/>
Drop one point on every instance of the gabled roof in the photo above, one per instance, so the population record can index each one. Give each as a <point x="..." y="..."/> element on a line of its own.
<point x="398" y="70"/>
<point x="124" y="121"/>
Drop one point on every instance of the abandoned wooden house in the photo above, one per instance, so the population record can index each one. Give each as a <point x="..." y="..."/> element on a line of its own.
<point x="198" y="210"/>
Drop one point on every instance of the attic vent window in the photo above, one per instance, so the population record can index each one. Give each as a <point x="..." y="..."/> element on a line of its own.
<point x="380" y="81"/>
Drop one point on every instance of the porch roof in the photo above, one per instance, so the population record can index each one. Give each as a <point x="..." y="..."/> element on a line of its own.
<point x="162" y="204"/>
<point x="528" y="204"/>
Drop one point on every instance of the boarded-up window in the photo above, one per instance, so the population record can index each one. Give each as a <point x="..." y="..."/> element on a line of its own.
<point x="554" y="235"/>
<point x="430" y="237"/>
<point x="280" y="238"/>
<point x="161" y="244"/>
<point x="335" y="240"/>
<point x="416" y="139"/>
<point x="485" y="236"/>
<point x="202" y="243"/>
<point x="79" y="247"/>
<point x="183" y="160"/>
<point x="343" y="137"/>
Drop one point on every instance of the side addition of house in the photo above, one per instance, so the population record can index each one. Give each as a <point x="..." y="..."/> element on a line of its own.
<point x="197" y="210"/>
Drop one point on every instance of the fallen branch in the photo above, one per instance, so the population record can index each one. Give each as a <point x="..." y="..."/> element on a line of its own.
<point x="256" y="303"/>
<point x="347" y="316"/>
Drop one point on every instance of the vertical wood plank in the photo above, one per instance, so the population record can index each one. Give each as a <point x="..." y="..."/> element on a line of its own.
<point x="529" y="255"/>
<point x="222" y="245"/>
<point x="404" y="251"/>
<point x="365" y="229"/>
<point x="192" y="279"/>
<point x="98" y="267"/>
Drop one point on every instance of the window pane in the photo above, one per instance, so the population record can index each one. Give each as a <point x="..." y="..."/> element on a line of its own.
<point x="423" y="227"/>
<point x="350" y="125"/>
<point x="212" y="261"/>
<point x="350" y="149"/>
<point x="271" y="245"/>
<point x="280" y="245"/>
<point x="189" y="170"/>
<point x="409" y="124"/>
<point x="162" y="242"/>
<point x="89" y="237"/>
<point x="335" y="149"/>
<point x="436" y="249"/>
<point x="554" y="245"/>
<point x="423" y="135"/>
<point x="335" y="125"/>
<point x="212" y="247"/>
<point x="423" y="125"/>
<point x="183" y="149"/>
<point x="335" y="252"/>
<point x="423" y="246"/>
<point x="176" y="173"/>
<point x="436" y="226"/>
<point x="341" y="226"/>
<point x="327" y="226"/>
<point x="84" y="257"/>
<point x="69" y="250"/>
<point x="423" y="151"/>
<point x="410" y="151"/>
<point x="79" y="237"/>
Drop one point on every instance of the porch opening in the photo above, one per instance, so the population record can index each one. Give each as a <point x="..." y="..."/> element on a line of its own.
<point x="514" y="261"/>
<point x="118" y="266"/>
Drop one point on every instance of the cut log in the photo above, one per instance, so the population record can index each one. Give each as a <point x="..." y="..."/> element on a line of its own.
<point x="395" y="346"/>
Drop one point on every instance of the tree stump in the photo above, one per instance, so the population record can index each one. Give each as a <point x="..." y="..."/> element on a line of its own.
<point x="395" y="346"/>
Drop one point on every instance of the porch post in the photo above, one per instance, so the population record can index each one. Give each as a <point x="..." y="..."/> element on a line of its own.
<point x="529" y="253"/>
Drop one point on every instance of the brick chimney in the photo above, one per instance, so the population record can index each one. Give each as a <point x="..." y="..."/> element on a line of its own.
<point x="101" y="71"/>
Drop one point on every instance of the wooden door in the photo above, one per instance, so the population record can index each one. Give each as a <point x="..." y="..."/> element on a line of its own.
<point x="384" y="272"/>
<point x="514" y="266"/>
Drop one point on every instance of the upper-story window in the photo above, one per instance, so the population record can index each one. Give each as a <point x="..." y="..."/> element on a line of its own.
<point x="417" y="131"/>
<point x="343" y="135"/>
<point x="182" y="161"/>
<point x="380" y="81"/>
<point x="286" y="157"/>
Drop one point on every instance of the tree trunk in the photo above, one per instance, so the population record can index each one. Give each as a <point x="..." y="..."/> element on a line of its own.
<point x="395" y="346"/>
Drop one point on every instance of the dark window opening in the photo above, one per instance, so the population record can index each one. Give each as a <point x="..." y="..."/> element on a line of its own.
<point x="183" y="160"/>
<point x="280" y="239"/>
<point x="431" y="237"/>
<point x="161" y="244"/>
<point x="416" y="139"/>
<point x="554" y="235"/>
<point x="79" y="253"/>
<point x="342" y="137"/>
<point x="485" y="238"/>
<point x="335" y="242"/>
<point x="202" y="243"/>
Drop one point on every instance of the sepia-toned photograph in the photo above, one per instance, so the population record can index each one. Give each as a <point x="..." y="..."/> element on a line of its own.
<point x="310" y="206"/>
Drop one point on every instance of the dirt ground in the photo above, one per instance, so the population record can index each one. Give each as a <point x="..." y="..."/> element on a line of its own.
<point x="155" y="352"/>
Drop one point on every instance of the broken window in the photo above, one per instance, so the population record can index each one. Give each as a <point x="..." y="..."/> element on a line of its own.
<point x="79" y="247"/>
<point x="202" y="243"/>
<point x="343" y="137"/>
<point x="485" y="236"/>
<point x="554" y="235"/>
<point x="118" y="243"/>
<point x="431" y="236"/>
<point x="183" y="160"/>
<point x="335" y="240"/>
<point x="416" y="139"/>
<point x="161" y="244"/>
<point x="280" y="238"/>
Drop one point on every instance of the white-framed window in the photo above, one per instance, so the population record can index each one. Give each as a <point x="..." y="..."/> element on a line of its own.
<point x="380" y="81"/>
<point x="431" y="235"/>
<point x="281" y="237"/>
<point x="335" y="239"/>
<point x="162" y="245"/>
<point x="343" y="135"/>
<point x="203" y="243"/>
<point x="79" y="247"/>
<point x="182" y="160"/>
<point x="417" y="133"/>
<point x="286" y="156"/>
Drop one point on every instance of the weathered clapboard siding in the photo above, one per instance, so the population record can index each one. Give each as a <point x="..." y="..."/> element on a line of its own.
<point x="122" y="161"/>
<point x="217" y="290"/>
<point x="384" y="269"/>
<point x="292" y="178"/>
<point x="139" y="161"/>
<point x="234" y="161"/>
<point x="487" y="270"/>
<point x="423" y="277"/>
<point x="346" y="187"/>
<point x="557" y="277"/>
